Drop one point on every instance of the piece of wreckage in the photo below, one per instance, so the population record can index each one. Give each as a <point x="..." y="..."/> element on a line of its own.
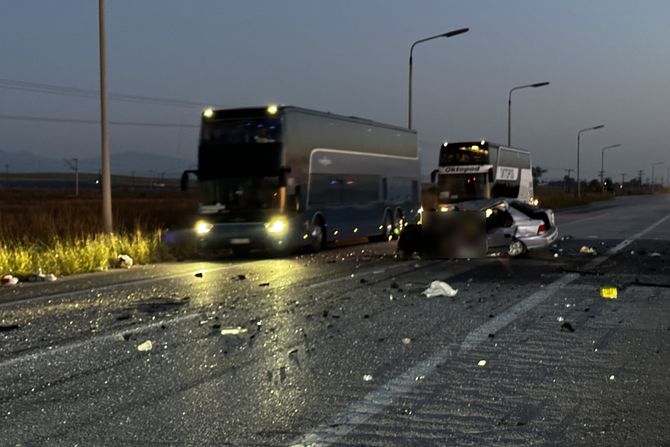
<point x="476" y="228"/>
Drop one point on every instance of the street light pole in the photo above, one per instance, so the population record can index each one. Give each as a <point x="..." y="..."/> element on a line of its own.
<point x="104" y="129"/>
<point x="509" y="106"/>
<point x="653" y="165"/>
<point x="602" y="162"/>
<point x="411" y="51"/>
<point x="579" y="134"/>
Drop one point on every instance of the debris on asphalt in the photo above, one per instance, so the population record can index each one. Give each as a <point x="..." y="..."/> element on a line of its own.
<point x="567" y="237"/>
<point x="367" y="378"/>
<point x="241" y="277"/>
<point x="560" y="319"/>
<point x="264" y="284"/>
<point x="632" y="252"/>
<point x="406" y="341"/>
<point x="481" y="363"/>
<point x="124" y="261"/>
<point x="609" y="293"/>
<point x="198" y="275"/>
<point x="611" y="377"/>
<point x="9" y="280"/>
<point x="50" y="277"/>
<point x="394" y="285"/>
<point x="655" y="254"/>
<point x="363" y="281"/>
<point x="233" y="330"/>
<point x="8" y="327"/>
<point x="556" y="255"/>
<point x="587" y="250"/>
<point x="145" y="346"/>
<point x="439" y="288"/>
<point x="567" y="327"/>
<point x="492" y="335"/>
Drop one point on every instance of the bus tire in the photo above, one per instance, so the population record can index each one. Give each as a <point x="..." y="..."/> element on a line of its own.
<point x="386" y="229"/>
<point x="318" y="240"/>
<point x="399" y="224"/>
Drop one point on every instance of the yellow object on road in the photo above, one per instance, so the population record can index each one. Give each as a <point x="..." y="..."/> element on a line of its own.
<point x="609" y="293"/>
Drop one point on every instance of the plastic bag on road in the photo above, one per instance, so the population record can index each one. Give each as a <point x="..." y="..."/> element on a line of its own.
<point x="439" y="288"/>
<point x="145" y="347"/>
<point x="124" y="261"/>
<point x="9" y="280"/>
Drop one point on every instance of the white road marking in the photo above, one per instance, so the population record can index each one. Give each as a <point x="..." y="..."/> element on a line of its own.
<point x="374" y="402"/>
<point x="90" y="341"/>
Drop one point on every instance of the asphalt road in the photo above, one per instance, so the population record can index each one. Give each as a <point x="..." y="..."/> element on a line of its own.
<point x="341" y="348"/>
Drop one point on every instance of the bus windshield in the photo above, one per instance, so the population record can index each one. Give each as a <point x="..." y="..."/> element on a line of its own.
<point x="463" y="187"/>
<point x="240" y="131"/>
<point x="241" y="193"/>
<point x="461" y="154"/>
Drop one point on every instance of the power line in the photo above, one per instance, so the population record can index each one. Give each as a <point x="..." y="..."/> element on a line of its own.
<point x="12" y="84"/>
<point x="79" y="121"/>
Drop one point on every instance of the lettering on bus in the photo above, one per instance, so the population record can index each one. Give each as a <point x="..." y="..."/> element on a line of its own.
<point x="466" y="169"/>
<point x="505" y="173"/>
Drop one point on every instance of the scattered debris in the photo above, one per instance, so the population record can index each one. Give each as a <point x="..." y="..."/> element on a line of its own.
<point x="439" y="288"/>
<point x="406" y="341"/>
<point x="391" y="297"/>
<point x="611" y="377"/>
<point x="587" y="250"/>
<point x="655" y="254"/>
<point x="556" y="255"/>
<point x="198" y="275"/>
<point x="241" y="277"/>
<point x="609" y="293"/>
<point x="567" y="327"/>
<point x="9" y="280"/>
<point x="367" y="378"/>
<point x="233" y="330"/>
<point x="145" y="346"/>
<point x="8" y="327"/>
<point x="481" y="363"/>
<point x="492" y="335"/>
<point x="632" y="252"/>
<point x="124" y="261"/>
<point x="50" y="277"/>
<point x="394" y="285"/>
<point x="567" y="237"/>
<point x="363" y="281"/>
<point x="264" y="284"/>
<point x="560" y="319"/>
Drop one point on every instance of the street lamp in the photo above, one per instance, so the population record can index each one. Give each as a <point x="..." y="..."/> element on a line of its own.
<point x="579" y="134"/>
<point x="509" y="107"/>
<point x="652" y="173"/>
<point x="411" y="50"/>
<point x="602" y="161"/>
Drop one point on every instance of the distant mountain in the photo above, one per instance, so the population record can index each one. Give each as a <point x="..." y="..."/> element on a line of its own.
<point x="123" y="163"/>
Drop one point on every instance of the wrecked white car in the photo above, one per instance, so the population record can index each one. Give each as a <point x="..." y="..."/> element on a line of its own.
<point x="473" y="229"/>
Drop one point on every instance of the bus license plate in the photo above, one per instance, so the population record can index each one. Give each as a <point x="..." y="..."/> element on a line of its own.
<point x="240" y="241"/>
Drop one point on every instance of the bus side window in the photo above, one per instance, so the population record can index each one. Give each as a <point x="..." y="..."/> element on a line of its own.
<point x="385" y="189"/>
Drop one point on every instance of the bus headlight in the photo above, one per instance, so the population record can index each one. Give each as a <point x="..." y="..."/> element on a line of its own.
<point x="202" y="227"/>
<point x="277" y="226"/>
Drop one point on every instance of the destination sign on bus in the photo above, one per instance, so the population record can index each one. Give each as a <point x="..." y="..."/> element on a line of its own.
<point x="507" y="173"/>
<point x="466" y="169"/>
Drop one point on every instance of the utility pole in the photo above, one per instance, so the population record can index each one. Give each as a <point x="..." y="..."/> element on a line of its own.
<point x="639" y="174"/>
<point x="7" y="172"/>
<point x="566" y="185"/>
<point x="104" y="130"/>
<point x="74" y="165"/>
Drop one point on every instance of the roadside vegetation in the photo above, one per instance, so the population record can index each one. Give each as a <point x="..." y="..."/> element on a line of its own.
<point x="53" y="232"/>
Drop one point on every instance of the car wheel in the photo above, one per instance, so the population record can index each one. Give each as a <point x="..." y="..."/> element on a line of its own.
<point x="516" y="248"/>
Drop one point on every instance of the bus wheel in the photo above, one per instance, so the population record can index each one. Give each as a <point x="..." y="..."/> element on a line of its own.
<point x="318" y="236"/>
<point x="385" y="230"/>
<point x="516" y="248"/>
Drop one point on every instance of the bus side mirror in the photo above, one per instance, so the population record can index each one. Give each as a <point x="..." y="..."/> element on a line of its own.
<point x="433" y="176"/>
<point x="297" y="196"/>
<point x="184" y="179"/>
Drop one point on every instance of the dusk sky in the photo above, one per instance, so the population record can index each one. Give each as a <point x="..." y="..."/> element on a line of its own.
<point x="608" y="62"/>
